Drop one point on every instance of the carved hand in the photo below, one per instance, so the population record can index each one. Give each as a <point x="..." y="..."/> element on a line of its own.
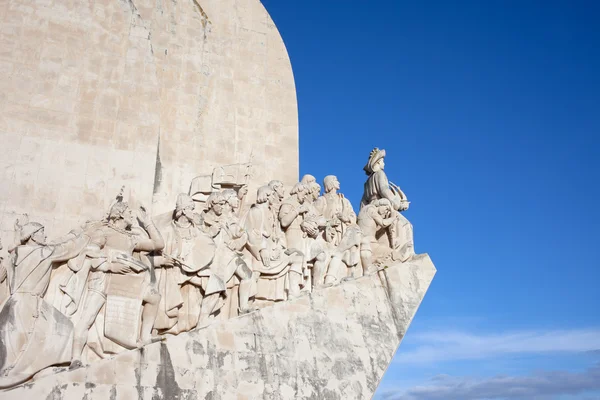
<point x="164" y="261"/>
<point x="120" y="269"/>
<point x="303" y="209"/>
<point x="242" y="192"/>
<point x="142" y="215"/>
<point x="264" y="256"/>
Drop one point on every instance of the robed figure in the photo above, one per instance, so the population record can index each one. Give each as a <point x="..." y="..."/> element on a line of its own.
<point x="33" y="334"/>
<point x="400" y="236"/>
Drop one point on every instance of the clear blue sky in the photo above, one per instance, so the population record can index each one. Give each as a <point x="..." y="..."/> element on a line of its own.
<point x="490" y="115"/>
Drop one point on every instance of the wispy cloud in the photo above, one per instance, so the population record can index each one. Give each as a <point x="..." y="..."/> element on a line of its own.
<point x="435" y="347"/>
<point x="540" y="385"/>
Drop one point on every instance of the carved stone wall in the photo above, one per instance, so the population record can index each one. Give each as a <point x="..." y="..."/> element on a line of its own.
<point x="335" y="343"/>
<point x="97" y="94"/>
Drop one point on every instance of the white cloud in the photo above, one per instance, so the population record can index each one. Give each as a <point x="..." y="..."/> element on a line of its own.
<point x="540" y="385"/>
<point x="435" y="347"/>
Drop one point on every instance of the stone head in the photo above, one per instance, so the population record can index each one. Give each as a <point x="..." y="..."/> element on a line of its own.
<point x="185" y="206"/>
<point x="314" y="190"/>
<point x="278" y="187"/>
<point x="120" y="211"/>
<point x="384" y="207"/>
<point x="265" y="194"/>
<point x="216" y="203"/>
<point x="300" y="191"/>
<point x="375" y="162"/>
<point x="308" y="179"/>
<point x="33" y="231"/>
<point x="330" y="182"/>
<point x="231" y="199"/>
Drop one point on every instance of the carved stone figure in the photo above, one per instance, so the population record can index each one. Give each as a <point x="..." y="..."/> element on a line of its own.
<point x="122" y="285"/>
<point x="279" y="190"/>
<point x="280" y="269"/>
<point x="221" y="223"/>
<point x="376" y="221"/>
<point x="33" y="334"/>
<point x="336" y="209"/>
<point x="241" y="195"/>
<point x="341" y="233"/>
<point x="377" y="187"/>
<point x="190" y="292"/>
<point x="303" y="227"/>
<point x="314" y="189"/>
<point x="232" y="202"/>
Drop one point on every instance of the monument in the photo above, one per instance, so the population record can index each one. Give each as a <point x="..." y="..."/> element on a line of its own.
<point x="155" y="143"/>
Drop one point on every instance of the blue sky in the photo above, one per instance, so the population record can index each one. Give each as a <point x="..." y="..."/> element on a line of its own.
<point x="490" y="115"/>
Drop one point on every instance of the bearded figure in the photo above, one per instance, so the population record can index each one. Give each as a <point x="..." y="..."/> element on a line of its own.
<point x="190" y="292"/>
<point x="279" y="269"/>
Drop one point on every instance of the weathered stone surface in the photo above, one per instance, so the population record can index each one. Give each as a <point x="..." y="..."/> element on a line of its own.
<point x="145" y="93"/>
<point x="334" y="343"/>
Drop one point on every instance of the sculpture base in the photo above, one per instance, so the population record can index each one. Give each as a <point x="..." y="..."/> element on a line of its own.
<point x="334" y="343"/>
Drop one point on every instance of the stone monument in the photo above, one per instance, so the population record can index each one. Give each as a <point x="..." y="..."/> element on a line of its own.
<point x="156" y="144"/>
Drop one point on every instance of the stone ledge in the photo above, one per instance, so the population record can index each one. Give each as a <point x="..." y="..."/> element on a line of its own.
<point x="334" y="343"/>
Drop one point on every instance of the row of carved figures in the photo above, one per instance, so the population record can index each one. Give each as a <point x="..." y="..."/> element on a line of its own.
<point x="128" y="280"/>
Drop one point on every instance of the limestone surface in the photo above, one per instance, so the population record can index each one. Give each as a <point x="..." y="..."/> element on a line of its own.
<point x="334" y="343"/>
<point x="144" y="93"/>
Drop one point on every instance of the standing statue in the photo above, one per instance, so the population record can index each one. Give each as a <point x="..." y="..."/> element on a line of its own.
<point x="341" y="233"/>
<point x="303" y="227"/>
<point x="122" y="285"/>
<point x="190" y="292"/>
<point x="33" y="334"/>
<point x="378" y="187"/>
<point x="336" y="209"/>
<point x="221" y="223"/>
<point x="280" y="269"/>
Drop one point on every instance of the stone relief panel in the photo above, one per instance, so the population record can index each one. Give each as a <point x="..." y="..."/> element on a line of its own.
<point x="126" y="280"/>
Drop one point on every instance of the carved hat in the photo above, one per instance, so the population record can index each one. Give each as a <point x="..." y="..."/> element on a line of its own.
<point x="184" y="201"/>
<point x="28" y="230"/>
<point x="374" y="157"/>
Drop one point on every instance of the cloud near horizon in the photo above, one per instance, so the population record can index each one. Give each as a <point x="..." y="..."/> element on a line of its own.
<point x="539" y="385"/>
<point x="440" y="346"/>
